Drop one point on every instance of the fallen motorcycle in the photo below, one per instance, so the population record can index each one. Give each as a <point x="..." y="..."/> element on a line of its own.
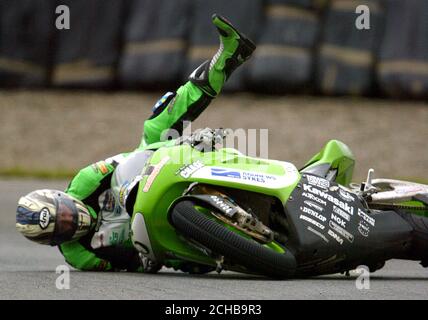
<point x="217" y="207"/>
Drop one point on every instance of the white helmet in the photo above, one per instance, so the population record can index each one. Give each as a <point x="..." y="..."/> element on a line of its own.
<point x="52" y="217"/>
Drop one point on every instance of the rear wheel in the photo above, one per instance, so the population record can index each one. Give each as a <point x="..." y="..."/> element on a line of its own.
<point x="246" y="252"/>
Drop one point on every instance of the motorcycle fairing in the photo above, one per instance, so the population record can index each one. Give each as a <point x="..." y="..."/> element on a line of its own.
<point x="330" y="228"/>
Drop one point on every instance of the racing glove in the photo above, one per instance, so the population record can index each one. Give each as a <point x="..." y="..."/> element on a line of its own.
<point x="235" y="49"/>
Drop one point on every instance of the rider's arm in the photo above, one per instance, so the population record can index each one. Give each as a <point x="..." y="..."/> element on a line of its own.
<point x="90" y="182"/>
<point x="121" y="257"/>
<point x="83" y="187"/>
<point x="87" y="186"/>
<point x="78" y="254"/>
<point x="79" y="257"/>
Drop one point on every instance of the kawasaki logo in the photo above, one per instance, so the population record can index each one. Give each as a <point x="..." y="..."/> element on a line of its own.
<point x="330" y="198"/>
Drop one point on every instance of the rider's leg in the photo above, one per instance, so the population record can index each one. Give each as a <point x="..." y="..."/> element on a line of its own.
<point x="206" y="82"/>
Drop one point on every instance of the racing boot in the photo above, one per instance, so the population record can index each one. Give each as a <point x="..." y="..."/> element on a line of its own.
<point x="235" y="49"/>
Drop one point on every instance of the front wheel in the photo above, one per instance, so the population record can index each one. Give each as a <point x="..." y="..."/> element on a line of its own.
<point x="246" y="252"/>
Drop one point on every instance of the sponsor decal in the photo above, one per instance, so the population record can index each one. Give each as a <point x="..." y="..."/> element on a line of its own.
<point x="116" y="237"/>
<point x="318" y="182"/>
<point x="100" y="166"/>
<point x="226" y="208"/>
<point x="335" y="236"/>
<point x="313" y="205"/>
<point x="243" y="175"/>
<point x="312" y="197"/>
<point x="258" y="177"/>
<point x="220" y="172"/>
<point x="319" y="234"/>
<point x="313" y="213"/>
<point x="103" y="167"/>
<point x="289" y="176"/>
<point x="341" y="213"/>
<point x="363" y="228"/>
<point x="44" y="218"/>
<point x="345" y="195"/>
<point x="310" y="220"/>
<point x="155" y="171"/>
<point x="366" y="217"/>
<point x="338" y="220"/>
<point x="187" y="170"/>
<point x="343" y="205"/>
<point x="334" y="226"/>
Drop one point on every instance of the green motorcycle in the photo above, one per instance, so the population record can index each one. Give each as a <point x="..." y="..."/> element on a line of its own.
<point x="214" y="206"/>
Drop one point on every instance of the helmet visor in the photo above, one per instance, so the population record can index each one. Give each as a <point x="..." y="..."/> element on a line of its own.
<point x="71" y="219"/>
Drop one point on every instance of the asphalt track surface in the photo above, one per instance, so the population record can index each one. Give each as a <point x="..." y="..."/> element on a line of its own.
<point x="27" y="271"/>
